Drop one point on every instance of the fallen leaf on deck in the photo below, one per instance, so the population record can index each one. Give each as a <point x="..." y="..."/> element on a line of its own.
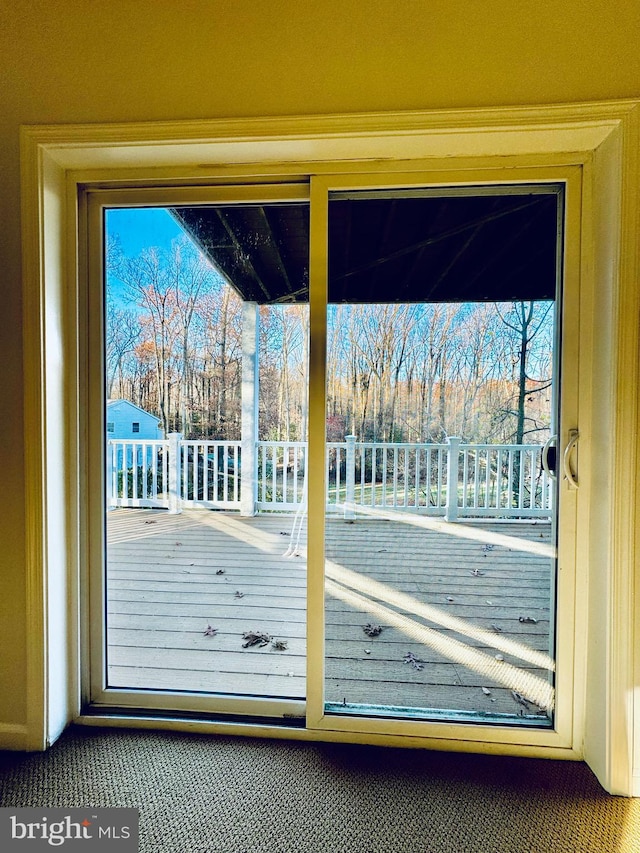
<point x="151" y="522"/>
<point x="477" y="573"/>
<point x="520" y="698"/>
<point x="499" y="657"/>
<point x="238" y="594"/>
<point x="255" y="638"/>
<point x="486" y="691"/>
<point x="450" y="599"/>
<point x="210" y="632"/>
<point x="372" y="630"/>
<point x="220" y="572"/>
<point x="279" y="645"/>
<point x="529" y="620"/>
<point x="415" y="662"/>
<point x="178" y="543"/>
<point x="283" y="533"/>
<point x="496" y="628"/>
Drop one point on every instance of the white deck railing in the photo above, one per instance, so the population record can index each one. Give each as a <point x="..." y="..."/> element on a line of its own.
<point x="450" y="480"/>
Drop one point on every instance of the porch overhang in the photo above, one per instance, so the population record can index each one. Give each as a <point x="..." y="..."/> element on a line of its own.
<point x="418" y="248"/>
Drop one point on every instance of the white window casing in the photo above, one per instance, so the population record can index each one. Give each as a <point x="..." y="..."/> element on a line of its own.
<point x="600" y="140"/>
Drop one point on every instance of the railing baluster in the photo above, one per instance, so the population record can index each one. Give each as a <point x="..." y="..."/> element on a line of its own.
<point x="521" y="481"/>
<point x="510" y="480"/>
<point x="227" y="466"/>
<point x="154" y="472"/>
<point x="205" y="470"/>
<point x="406" y="477"/>
<point x="295" y="475"/>
<point x="532" y="480"/>
<point x="476" y="478"/>
<point x="396" y="463"/>
<point x="285" y="473"/>
<point x="465" y="477"/>
<point x="146" y="484"/>
<point x="165" y="470"/>
<point x="487" y="475"/>
<point x="395" y="476"/>
<point x="237" y="468"/>
<point x="274" y="471"/>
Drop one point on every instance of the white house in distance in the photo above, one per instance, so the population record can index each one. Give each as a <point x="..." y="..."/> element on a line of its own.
<point x="128" y="421"/>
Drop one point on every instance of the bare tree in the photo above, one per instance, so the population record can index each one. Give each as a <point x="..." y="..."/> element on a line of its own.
<point x="528" y="321"/>
<point x="122" y="335"/>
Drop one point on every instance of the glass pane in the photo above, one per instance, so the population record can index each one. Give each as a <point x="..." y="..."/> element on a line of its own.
<point x="206" y="342"/>
<point x="441" y="388"/>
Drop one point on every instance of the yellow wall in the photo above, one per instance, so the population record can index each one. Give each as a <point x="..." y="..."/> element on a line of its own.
<point x="67" y="61"/>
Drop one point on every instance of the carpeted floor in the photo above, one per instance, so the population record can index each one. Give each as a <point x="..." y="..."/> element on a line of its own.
<point x="206" y="794"/>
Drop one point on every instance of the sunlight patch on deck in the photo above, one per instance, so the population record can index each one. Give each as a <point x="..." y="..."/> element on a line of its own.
<point x="529" y="685"/>
<point x="464" y="531"/>
<point x="389" y="595"/>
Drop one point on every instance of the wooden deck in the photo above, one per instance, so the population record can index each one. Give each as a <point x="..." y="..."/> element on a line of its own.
<point x="452" y="597"/>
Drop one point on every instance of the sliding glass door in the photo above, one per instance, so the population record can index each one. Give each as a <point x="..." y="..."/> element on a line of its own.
<point x="335" y="452"/>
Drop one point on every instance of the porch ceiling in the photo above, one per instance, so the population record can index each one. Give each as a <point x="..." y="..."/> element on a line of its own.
<point x="387" y="249"/>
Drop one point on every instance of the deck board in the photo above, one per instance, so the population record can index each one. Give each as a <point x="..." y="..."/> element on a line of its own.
<point x="169" y="577"/>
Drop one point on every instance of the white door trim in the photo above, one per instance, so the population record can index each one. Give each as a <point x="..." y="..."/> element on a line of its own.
<point x="602" y="137"/>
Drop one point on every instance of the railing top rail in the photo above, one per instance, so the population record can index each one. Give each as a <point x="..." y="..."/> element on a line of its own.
<point x="399" y="444"/>
<point x="155" y="441"/>
<point x="438" y="445"/>
<point x="199" y="442"/>
<point x="388" y="444"/>
<point x="283" y="443"/>
<point x="501" y="446"/>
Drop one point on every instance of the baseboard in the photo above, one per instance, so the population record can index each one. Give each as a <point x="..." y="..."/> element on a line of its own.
<point x="14" y="737"/>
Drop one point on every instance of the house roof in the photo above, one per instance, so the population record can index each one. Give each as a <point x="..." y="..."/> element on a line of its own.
<point x="394" y="248"/>
<point x="120" y="402"/>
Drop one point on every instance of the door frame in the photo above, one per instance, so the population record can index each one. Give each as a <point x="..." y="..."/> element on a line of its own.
<point x="602" y="138"/>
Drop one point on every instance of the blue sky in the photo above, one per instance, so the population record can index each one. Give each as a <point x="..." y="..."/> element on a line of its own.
<point x="138" y="228"/>
<point x="142" y="227"/>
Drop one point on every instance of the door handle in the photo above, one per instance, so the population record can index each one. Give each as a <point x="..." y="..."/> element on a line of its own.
<point x="571" y="478"/>
<point x="548" y="458"/>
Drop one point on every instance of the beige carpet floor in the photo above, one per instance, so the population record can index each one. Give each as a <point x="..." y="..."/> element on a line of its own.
<point x="209" y="794"/>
